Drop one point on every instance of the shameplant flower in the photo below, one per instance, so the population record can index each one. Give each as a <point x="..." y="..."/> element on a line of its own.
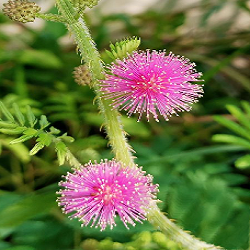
<point x="21" y="10"/>
<point x="152" y="83"/>
<point x="97" y="193"/>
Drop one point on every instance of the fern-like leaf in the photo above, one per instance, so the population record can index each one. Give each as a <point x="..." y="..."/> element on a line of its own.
<point x="25" y="125"/>
<point x="242" y="129"/>
<point x="241" y="117"/>
<point x="7" y="113"/>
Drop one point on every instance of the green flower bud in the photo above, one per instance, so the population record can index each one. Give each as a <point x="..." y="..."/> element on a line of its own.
<point x="21" y="10"/>
<point x="106" y="244"/>
<point x="143" y="238"/>
<point x="118" y="246"/>
<point x="82" y="75"/>
<point x="90" y="244"/>
<point x="82" y="4"/>
<point x="162" y="241"/>
<point x="159" y="238"/>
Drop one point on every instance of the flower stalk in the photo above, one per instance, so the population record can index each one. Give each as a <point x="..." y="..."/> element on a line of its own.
<point x="113" y="125"/>
<point x="172" y="231"/>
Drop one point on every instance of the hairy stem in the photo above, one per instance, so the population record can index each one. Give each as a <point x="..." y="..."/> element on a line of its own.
<point x="113" y="124"/>
<point x="172" y="231"/>
<point x="91" y="56"/>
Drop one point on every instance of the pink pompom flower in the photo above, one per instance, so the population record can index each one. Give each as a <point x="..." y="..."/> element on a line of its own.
<point x="96" y="193"/>
<point x="152" y="83"/>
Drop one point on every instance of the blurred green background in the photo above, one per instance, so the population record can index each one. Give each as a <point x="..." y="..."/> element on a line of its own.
<point x="204" y="182"/>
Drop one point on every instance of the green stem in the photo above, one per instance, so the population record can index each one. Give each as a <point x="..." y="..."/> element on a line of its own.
<point x="113" y="124"/>
<point x="91" y="56"/>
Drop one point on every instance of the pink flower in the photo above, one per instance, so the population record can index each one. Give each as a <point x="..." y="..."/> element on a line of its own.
<point x="98" y="192"/>
<point x="152" y="82"/>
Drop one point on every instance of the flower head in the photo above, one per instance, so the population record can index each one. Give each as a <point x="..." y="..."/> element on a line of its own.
<point x="152" y="82"/>
<point x="82" y="75"/>
<point x="98" y="192"/>
<point x="21" y="10"/>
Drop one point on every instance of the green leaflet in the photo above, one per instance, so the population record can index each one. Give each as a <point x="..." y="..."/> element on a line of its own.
<point x="246" y="106"/>
<point x="12" y="131"/>
<point x="244" y="119"/>
<point x="233" y="126"/>
<point x="19" y="115"/>
<point x="6" y="113"/>
<point x="36" y="148"/>
<point x="43" y="122"/>
<point x="61" y="151"/>
<point x="242" y="129"/>
<point x="243" y="162"/>
<point x="232" y="139"/>
<point x="31" y="117"/>
<point x="28" y="133"/>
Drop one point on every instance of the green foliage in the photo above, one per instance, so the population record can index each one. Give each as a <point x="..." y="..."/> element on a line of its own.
<point x="123" y="48"/>
<point x="25" y="208"/>
<point x="43" y="59"/>
<point x="243" y="162"/>
<point x="25" y="125"/>
<point x="36" y="70"/>
<point x="63" y="106"/>
<point x="200" y="190"/>
<point x="216" y="210"/>
<point x="242" y="129"/>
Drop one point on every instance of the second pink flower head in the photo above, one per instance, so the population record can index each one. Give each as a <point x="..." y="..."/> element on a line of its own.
<point x="97" y="193"/>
